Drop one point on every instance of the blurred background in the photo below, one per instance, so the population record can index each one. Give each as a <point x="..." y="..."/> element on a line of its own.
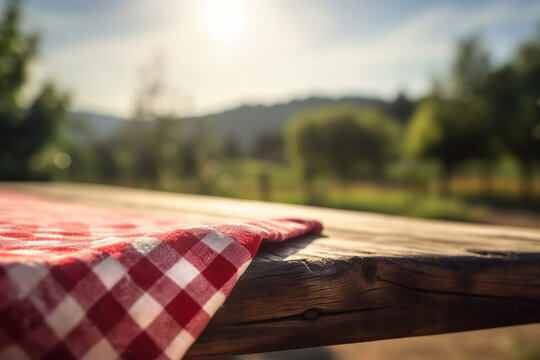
<point x="418" y="108"/>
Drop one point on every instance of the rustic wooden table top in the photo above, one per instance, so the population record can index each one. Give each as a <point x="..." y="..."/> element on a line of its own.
<point x="367" y="277"/>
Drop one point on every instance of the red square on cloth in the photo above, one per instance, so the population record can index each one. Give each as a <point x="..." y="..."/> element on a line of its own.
<point x="86" y="282"/>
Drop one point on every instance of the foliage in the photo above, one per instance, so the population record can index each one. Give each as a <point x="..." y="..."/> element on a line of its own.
<point x="485" y="113"/>
<point x="231" y="149"/>
<point x="24" y="130"/>
<point x="401" y="108"/>
<point x="336" y="139"/>
<point x="448" y="130"/>
<point x="524" y="134"/>
<point x="423" y="132"/>
<point x="470" y="68"/>
<point x="269" y="146"/>
<point x="453" y="124"/>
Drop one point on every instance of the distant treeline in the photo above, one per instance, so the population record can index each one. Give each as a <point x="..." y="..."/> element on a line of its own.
<point x="479" y="111"/>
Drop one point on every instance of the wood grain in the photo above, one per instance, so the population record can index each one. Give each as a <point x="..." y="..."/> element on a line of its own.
<point x="367" y="277"/>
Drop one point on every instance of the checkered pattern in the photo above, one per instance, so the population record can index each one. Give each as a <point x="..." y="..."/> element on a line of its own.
<point x="93" y="283"/>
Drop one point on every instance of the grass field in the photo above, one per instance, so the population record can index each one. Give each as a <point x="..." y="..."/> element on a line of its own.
<point x="272" y="181"/>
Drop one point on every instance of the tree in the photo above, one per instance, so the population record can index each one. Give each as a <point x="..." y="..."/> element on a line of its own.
<point x="449" y="131"/>
<point x="522" y="130"/>
<point x="187" y="164"/>
<point x="335" y="139"/>
<point x="150" y="135"/>
<point x="471" y="74"/>
<point x="401" y="108"/>
<point x="470" y="68"/>
<point x="231" y="150"/>
<point x="451" y="124"/>
<point x="269" y="146"/>
<point x="24" y="130"/>
<point x="512" y="93"/>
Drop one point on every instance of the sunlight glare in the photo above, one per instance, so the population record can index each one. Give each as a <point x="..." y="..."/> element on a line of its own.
<point x="226" y="20"/>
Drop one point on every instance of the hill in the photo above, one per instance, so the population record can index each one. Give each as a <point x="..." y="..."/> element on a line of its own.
<point x="247" y="122"/>
<point x="244" y="123"/>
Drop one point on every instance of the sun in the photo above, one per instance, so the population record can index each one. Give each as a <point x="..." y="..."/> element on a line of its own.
<point x="225" y="19"/>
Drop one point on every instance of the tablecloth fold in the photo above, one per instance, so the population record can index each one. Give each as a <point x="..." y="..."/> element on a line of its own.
<point x="82" y="282"/>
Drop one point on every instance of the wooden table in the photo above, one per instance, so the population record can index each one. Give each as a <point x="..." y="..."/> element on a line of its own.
<point x="367" y="277"/>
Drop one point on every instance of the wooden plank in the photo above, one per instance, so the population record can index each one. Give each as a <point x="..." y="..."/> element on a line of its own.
<point x="367" y="277"/>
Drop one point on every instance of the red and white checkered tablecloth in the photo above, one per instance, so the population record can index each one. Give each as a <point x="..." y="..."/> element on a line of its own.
<point x="80" y="282"/>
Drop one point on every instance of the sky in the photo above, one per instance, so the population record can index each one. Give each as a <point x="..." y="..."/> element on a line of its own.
<point x="217" y="54"/>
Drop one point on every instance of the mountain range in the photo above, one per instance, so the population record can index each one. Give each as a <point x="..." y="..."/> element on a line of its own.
<point x="244" y="123"/>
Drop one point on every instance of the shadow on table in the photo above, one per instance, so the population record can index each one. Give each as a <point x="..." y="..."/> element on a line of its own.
<point x="276" y="251"/>
<point x="301" y="354"/>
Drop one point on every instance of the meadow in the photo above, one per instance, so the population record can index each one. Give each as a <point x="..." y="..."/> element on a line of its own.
<point x="255" y="179"/>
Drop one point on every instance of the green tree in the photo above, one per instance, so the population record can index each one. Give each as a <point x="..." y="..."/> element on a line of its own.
<point x="449" y="131"/>
<point x="108" y="168"/>
<point x="512" y="92"/>
<point x="230" y="149"/>
<point x="452" y="124"/>
<point x="149" y="136"/>
<point x="470" y="68"/>
<point x="401" y="108"/>
<point x="522" y="129"/>
<point x="187" y="165"/>
<point x="24" y="130"/>
<point x="334" y="140"/>
<point x="269" y="146"/>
